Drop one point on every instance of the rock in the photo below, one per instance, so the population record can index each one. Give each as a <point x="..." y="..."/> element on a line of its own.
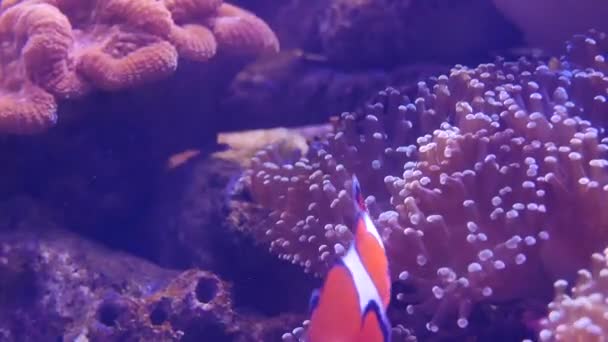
<point x="55" y="285"/>
<point x="58" y="286"/>
<point x="192" y="224"/>
<point x="295" y="88"/>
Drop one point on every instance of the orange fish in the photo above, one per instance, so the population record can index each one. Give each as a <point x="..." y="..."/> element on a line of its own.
<point x="181" y="158"/>
<point x="351" y="305"/>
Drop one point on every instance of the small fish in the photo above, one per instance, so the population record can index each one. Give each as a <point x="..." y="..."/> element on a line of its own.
<point x="351" y="305"/>
<point x="181" y="158"/>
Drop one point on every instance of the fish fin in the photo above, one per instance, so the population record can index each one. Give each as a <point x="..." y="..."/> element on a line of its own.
<point x="358" y="196"/>
<point x="373" y="308"/>
<point x="314" y="300"/>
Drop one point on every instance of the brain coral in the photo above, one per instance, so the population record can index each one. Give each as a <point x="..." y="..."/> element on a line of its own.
<point x="479" y="182"/>
<point x="59" y="49"/>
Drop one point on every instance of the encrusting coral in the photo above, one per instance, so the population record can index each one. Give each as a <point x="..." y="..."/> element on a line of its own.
<point x="479" y="182"/>
<point x="62" y="49"/>
<point x="582" y="315"/>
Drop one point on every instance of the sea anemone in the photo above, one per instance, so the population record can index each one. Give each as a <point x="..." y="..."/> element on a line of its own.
<point x="479" y="182"/>
<point x="582" y="315"/>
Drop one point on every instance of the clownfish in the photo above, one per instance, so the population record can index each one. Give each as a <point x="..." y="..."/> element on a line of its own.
<point x="351" y="305"/>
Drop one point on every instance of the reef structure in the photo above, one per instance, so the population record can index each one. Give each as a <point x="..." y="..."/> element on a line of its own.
<point x="56" y="285"/>
<point x="63" y="49"/>
<point x="50" y="291"/>
<point x="486" y="185"/>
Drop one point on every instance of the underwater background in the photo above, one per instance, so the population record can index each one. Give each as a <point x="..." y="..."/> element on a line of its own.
<point x="177" y="170"/>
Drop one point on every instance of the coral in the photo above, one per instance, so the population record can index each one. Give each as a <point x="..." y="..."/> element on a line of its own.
<point x="58" y="286"/>
<point x="479" y="181"/>
<point x="62" y="49"/>
<point x="580" y="316"/>
<point x="243" y="145"/>
<point x="240" y="31"/>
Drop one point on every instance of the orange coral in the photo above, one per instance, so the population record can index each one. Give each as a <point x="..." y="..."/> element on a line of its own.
<point x="25" y="107"/>
<point x="238" y="30"/>
<point x="64" y="48"/>
<point x="185" y="10"/>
